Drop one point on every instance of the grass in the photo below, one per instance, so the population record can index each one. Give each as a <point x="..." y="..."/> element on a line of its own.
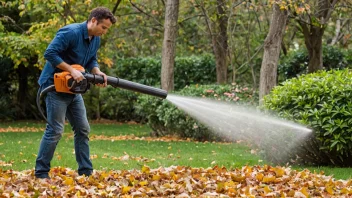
<point x="20" y="149"/>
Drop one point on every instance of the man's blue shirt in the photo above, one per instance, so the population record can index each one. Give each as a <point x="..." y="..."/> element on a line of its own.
<point x="71" y="45"/>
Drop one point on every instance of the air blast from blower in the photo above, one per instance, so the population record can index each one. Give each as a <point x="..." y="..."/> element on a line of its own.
<point x="64" y="83"/>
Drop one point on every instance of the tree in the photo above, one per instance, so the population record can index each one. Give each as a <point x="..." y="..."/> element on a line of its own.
<point x="313" y="27"/>
<point x="272" y="47"/>
<point x="217" y="29"/>
<point x="219" y="41"/>
<point x="17" y="46"/>
<point x="169" y="45"/>
<point x="27" y="27"/>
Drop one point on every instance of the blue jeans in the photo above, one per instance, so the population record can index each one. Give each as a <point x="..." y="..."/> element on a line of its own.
<point x="59" y="106"/>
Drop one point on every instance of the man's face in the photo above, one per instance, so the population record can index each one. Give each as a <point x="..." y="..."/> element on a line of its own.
<point x="100" y="28"/>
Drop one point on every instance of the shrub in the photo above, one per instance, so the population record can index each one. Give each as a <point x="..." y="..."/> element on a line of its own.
<point x="145" y="70"/>
<point x="111" y="103"/>
<point x="188" y="70"/>
<point x="194" y="70"/>
<point x="165" y="119"/>
<point x="322" y="101"/>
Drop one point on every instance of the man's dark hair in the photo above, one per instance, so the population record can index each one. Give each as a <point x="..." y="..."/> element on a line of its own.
<point x="101" y="13"/>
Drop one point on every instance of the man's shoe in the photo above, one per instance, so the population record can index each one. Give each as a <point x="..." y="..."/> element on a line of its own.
<point x="43" y="176"/>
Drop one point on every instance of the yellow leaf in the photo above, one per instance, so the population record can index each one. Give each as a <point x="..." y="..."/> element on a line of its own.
<point x="304" y="191"/>
<point x="131" y="177"/>
<point x="329" y="189"/>
<point x="104" y="175"/>
<point x="101" y="186"/>
<point x="346" y="191"/>
<point x="126" y="189"/>
<point x="143" y="183"/>
<point x="267" y="189"/>
<point x="238" y="178"/>
<point x="69" y="181"/>
<point x="259" y="176"/>
<point x="145" y="169"/>
<point x="108" y="62"/>
<point x="279" y="171"/>
<point x="291" y="193"/>
<point x="156" y="177"/>
<point x="220" y="187"/>
<point x="269" y="178"/>
<point x="175" y="177"/>
<point x="80" y="179"/>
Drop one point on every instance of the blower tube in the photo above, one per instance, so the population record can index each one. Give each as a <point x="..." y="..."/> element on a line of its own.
<point x="125" y="84"/>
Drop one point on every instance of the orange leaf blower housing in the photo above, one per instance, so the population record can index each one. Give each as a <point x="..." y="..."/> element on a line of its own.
<point x="63" y="79"/>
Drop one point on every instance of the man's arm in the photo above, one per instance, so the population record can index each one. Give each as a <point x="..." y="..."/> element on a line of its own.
<point x="59" y="44"/>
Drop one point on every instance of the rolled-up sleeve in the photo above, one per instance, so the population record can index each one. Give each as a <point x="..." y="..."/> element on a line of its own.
<point x="59" y="44"/>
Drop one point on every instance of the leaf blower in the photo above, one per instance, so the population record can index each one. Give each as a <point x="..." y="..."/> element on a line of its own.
<point x="64" y="83"/>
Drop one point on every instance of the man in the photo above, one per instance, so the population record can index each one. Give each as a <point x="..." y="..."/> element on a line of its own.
<point x="73" y="44"/>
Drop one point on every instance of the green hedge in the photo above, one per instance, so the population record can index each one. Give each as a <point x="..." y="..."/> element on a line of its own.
<point x="147" y="70"/>
<point x="296" y="63"/>
<point x="322" y="101"/>
<point x="165" y="119"/>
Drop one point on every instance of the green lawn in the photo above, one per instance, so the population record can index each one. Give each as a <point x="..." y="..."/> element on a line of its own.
<point x="20" y="149"/>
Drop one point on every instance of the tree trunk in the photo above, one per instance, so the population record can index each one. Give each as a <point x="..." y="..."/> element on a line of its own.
<point x="313" y="33"/>
<point x="272" y="47"/>
<point x="218" y="35"/>
<point x="22" y="91"/>
<point x="169" y="45"/>
<point x="314" y="44"/>
<point x="315" y="49"/>
<point x="220" y="44"/>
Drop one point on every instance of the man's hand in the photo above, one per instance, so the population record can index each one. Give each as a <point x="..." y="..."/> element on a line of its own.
<point x="97" y="71"/>
<point x="77" y="75"/>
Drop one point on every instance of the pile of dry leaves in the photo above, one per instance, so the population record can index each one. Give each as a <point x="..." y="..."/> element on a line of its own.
<point x="175" y="181"/>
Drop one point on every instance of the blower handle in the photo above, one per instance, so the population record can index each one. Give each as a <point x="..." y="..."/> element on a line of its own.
<point x="125" y="84"/>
